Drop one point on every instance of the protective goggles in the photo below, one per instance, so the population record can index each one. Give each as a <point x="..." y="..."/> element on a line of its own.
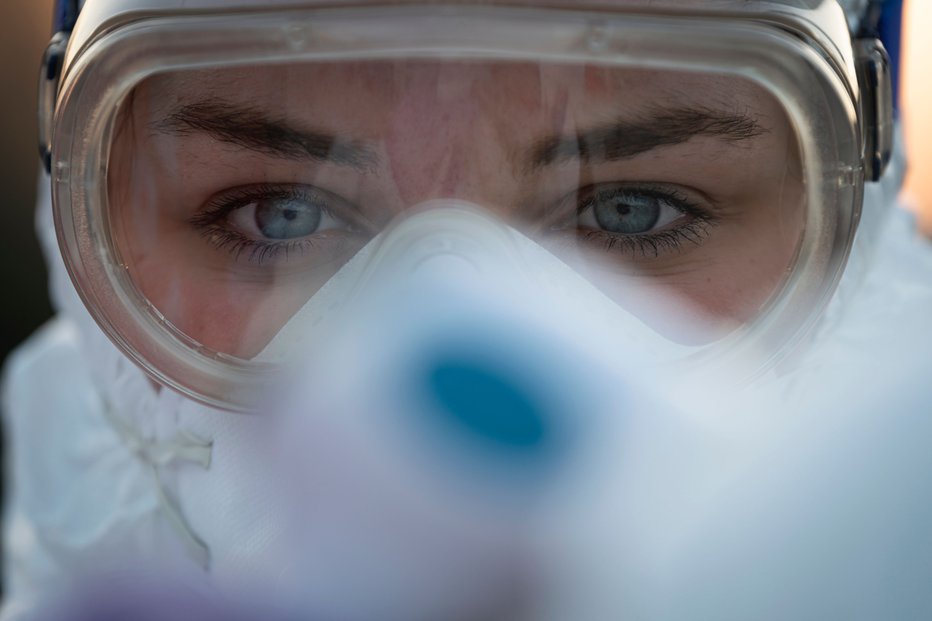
<point x="699" y="163"/>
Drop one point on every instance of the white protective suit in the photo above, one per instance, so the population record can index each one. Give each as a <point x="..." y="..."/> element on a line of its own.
<point x="100" y="459"/>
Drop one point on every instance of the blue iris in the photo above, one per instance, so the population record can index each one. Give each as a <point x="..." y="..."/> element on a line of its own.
<point x="627" y="213"/>
<point x="287" y="218"/>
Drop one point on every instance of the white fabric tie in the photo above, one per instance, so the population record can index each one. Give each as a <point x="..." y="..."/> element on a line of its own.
<point x="182" y="447"/>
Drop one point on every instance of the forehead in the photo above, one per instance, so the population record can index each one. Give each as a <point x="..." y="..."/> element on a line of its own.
<point x="365" y="89"/>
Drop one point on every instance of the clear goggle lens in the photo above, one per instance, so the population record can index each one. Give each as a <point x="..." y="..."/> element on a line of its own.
<point x="235" y="194"/>
<point x="207" y="193"/>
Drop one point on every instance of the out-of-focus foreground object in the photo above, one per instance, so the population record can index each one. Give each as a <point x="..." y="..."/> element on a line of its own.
<point x="917" y="108"/>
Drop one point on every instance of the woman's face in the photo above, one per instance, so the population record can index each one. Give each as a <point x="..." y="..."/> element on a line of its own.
<point x="238" y="192"/>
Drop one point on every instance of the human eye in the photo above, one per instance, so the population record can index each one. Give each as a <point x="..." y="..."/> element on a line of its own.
<point x="265" y="222"/>
<point x="647" y="220"/>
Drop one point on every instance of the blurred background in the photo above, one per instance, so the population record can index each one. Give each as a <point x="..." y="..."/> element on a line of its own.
<point x="24" y="303"/>
<point x="916" y="93"/>
<point x="26" y="28"/>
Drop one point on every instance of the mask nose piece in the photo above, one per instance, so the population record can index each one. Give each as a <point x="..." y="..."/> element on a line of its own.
<point x="443" y="260"/>
<point x="447" y="234"/>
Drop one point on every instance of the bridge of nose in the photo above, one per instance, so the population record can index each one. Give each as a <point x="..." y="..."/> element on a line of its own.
<point x="463" y="131"/>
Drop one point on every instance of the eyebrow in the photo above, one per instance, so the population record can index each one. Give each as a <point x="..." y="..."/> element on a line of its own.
<point x="628" y="138"/>
<point x="253" y="129"/>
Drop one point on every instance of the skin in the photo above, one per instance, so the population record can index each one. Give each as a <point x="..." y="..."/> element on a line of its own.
<point x="470" y="131"/>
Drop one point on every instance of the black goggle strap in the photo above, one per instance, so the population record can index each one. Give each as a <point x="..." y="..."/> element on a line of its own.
<point x="66" y="14"/>
<point x="64" y="18"/>
<point x="883" y="19"/>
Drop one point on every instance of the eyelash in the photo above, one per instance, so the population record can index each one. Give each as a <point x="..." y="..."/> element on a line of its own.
<point x="234" y="242"/>
<point x="650" y="244"/>
<point x="260" y="252"/>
